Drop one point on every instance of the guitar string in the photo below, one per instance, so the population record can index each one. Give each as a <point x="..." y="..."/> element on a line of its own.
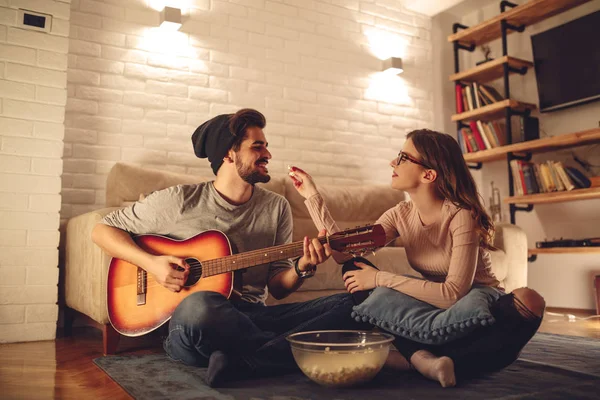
<point x="195" y="277"/>
<point x="256" y="256"/>
<point x="221" y="265"/>
<point x="211" y="265"/>
<point x="196" y="267"/>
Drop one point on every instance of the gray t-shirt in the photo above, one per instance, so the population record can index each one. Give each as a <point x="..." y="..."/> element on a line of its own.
<point x="182" y="211"/>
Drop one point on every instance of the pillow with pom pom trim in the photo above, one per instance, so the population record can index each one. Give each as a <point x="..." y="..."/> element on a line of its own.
<point x="403" y="315"/>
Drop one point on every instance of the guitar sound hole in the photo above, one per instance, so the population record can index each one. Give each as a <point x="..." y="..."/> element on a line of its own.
<point x="195" y="271"/>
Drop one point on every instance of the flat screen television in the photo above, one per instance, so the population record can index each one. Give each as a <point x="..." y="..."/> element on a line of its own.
<point x="567" y="63"/>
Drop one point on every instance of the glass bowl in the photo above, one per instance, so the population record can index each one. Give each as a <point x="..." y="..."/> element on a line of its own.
<point x="340" y="358"/>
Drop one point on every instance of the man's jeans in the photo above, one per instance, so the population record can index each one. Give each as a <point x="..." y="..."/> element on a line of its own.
<point x="206" y="321"/>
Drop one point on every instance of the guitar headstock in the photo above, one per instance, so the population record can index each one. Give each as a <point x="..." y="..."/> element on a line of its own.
<point x="358" y="240"/>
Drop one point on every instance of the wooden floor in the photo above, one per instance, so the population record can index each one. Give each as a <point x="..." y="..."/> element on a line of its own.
<point x="63" y="368"/>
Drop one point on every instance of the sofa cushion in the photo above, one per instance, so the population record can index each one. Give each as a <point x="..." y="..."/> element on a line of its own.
<point x="126" y="182"/>
<point x="413" y="319"/>
<point x="500" y="259"/>
<point x="499" y="264"/>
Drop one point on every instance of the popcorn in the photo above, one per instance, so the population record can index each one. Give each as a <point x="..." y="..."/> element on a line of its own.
<point x="334" y="368"/>
<point x="293" y="175"/>
<point x="343" y="376"/>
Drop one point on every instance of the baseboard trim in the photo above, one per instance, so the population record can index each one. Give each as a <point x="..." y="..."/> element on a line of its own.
<point x="575" y="311"/>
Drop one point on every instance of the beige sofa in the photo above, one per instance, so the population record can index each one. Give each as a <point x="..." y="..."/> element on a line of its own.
<point x="86" y="265"/>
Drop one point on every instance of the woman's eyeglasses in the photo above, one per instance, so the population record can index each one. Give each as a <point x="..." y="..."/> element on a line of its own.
<point x="402" y="156"/>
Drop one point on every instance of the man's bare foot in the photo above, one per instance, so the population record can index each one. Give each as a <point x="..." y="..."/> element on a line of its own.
<point x="439" y="369"/>
<point x="397" y="361"/>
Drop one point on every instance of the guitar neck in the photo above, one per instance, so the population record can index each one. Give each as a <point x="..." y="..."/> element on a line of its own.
<point x="253" y="258"/>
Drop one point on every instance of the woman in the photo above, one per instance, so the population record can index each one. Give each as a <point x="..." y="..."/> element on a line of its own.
<point x="447" y="235"/>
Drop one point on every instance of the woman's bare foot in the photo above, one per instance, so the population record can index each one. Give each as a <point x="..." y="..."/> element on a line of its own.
<point x="439" y="369"/>
<point x="397" y="361"/>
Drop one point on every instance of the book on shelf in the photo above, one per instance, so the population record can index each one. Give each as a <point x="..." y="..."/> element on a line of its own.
<point x="481" y="135"/>
<point x="545" y="177"/>
<point x="469" y="104"/>
<point x="490" y="93"/>
<point x="477" y="135"/>
<point x="578" y="177"/>
<point x="459" y="100"/>
<point x="475" y="95"/>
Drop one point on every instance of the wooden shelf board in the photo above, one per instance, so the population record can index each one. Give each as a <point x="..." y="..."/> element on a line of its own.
<point x="492" y="111"/>
<point x="490" y="70"/>
<point x="563" y="250"/>
<point x="553" y="143"/>
<point x="556" y="197"/>
<point x="526" y="14"/>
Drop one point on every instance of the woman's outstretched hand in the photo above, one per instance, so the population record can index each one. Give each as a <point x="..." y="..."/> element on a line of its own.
<point x="303" y="182"/>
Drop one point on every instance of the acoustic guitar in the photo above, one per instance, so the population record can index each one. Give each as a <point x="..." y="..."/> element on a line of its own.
<point x="137" y="304"/>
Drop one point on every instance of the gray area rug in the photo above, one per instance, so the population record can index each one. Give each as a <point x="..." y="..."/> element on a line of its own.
<point x="550" y="367"/>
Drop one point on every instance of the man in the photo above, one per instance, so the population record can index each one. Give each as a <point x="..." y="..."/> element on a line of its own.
<point x="207" y="329"/>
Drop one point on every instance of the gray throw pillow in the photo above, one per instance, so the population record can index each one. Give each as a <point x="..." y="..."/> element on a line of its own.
<point x="403" y="315"/>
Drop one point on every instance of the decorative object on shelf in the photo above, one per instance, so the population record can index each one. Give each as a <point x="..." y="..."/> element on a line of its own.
<point x="485" y="49"/>
<point x="393" y="66"/>
<point x="495" y="204"/>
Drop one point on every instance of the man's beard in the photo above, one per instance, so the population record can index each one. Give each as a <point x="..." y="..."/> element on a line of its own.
<point x="249" y="174"/>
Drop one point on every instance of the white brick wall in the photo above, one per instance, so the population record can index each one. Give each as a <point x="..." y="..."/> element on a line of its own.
<point x="129" y="92"/>
<point x="33" y="94"/>
<point x="307" y="65"/>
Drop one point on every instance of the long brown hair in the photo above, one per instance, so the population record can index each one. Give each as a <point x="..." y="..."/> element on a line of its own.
<point x="454" y="181"/>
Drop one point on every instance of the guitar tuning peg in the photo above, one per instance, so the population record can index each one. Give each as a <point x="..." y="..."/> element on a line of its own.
<point x="372" y="252"/>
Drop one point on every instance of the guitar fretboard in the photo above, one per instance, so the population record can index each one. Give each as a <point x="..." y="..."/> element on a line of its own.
<point x="253" y="258"/>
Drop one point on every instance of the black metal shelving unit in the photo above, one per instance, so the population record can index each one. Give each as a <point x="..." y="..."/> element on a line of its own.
<point x="499" y="27"/>
<point x="509" y="112"/>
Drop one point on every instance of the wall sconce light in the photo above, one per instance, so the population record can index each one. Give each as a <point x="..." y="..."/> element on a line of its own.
<point x="170" y="19"/>
<point x="393" y="66"/>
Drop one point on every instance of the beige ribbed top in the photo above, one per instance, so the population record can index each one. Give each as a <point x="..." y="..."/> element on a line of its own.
<point x="447" y="253"/>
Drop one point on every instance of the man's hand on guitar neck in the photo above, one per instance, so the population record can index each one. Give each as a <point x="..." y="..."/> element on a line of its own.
<point x="281" y="285"/>
<point x="169" y="271"/>
<point x="314" y="253"/>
